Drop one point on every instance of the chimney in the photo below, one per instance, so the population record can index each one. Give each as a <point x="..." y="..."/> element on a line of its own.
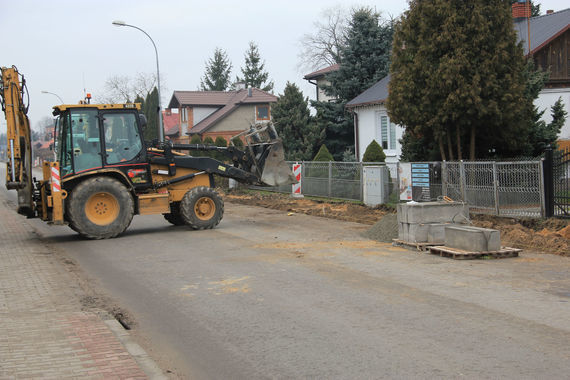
<point x="249" y="91"/>
<point x="550" y="11"/>
<point x="239" y="86"/>
<point x="521" y="9"/>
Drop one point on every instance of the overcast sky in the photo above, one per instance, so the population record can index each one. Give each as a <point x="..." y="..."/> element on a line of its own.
<point x="66" y="46"/>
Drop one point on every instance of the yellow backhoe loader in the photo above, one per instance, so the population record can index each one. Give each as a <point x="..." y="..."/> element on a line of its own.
<point x="104" y="172"/>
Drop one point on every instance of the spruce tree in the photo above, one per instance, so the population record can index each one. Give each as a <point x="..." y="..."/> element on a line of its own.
<point x="295" y="126"/>
<point x="150" y="110"/>
<point x="365" y="59"/>
<point x="457" y="78"/>
<point x="217" y="75"/>
<point x="253" y="71"/>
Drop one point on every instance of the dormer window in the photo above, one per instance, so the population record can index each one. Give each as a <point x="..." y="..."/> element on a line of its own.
<point x="262" y="113"/>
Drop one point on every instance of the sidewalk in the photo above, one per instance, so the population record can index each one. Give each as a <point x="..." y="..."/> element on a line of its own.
<point x="43" y="331"/>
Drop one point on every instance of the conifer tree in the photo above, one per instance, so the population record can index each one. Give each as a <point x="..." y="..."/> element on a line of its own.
<point x="196" y="139"/>
<point x="323" y="154"/>
<point x="457" y="78"/>
<point x="217" y="75"/>
<point x="365" y="59"/>
<point x="374" y="153"/>
<point x="253" y="71"/>
<point x="150" y="110"/>
<point x="295" y="126"/>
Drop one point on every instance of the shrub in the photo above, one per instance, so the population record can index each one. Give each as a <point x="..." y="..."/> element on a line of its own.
<point x="323" y="154"/>
<point x="220" y="141"/>
<point x="374" y="153"/>
<point x="238" y="143"/>
<point x="196" y="139"/>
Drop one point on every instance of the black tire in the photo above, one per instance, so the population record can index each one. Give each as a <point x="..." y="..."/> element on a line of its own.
<point x="202" y="208"/>
<point x="100" y="208"/>
<point x="174" y="217"/>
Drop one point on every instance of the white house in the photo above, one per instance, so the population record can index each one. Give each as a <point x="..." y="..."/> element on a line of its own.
<point x="550" y="49"/>
<point x="371" y="122"/>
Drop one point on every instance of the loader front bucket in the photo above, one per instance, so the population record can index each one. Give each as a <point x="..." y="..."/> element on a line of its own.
<point x="276" y="171"/>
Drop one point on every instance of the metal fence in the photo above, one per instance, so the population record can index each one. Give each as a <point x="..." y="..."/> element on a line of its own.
<point x="501" y="188"/>
<point x="342" y="180"/>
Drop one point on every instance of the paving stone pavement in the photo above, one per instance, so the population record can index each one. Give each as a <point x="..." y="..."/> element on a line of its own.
<point x="44" y="333"/>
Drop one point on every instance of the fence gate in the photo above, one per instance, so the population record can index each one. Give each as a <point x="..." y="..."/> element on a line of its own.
<point x="560" y="183"/>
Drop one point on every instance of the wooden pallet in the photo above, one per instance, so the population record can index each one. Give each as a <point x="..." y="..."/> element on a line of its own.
<point x="418" y="246"/>
<point x="458" y="254"/>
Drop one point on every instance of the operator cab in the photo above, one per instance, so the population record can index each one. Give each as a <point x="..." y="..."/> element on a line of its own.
<point x="92" y="137"/>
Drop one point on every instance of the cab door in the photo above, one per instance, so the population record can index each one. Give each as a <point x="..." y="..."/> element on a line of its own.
<point x="122" y="140"/>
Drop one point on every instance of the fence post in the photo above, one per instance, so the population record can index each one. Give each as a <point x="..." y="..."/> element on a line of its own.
<point x="444" y="178"/>
<point x="540" y="165"/>
<point x="496" y="188"/>
<point x="330" y="180"/>
<point x="463" y="181"/>
<point x="361" y="176"/>
<point x="548" y="164"/>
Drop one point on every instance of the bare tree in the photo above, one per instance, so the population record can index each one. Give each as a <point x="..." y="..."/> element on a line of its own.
<point x="125" y="89"/>
<point x="322" y="47"/>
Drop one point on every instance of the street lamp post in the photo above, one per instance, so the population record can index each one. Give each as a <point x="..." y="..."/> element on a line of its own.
<point x="160" y="129"/>
<point x="51" y="93"/>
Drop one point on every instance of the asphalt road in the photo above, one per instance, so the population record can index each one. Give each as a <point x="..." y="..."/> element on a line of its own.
<point x="268" y="295"/>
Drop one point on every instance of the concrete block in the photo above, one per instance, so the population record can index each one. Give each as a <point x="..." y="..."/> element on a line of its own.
<point x="418" y="233"/>
<point x="436" y="232"/>
<point x="402" y="213"/>
<point x="472" y="239"/>
<point x="401" y="231"/>
<point x="434" y="212"/>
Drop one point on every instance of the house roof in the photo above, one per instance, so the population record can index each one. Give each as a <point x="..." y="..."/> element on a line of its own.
<point x="543" y="29"/>
<point x="321" y="73"/>
<point x="170" y="122"/>
<point x="377" y="94"/>
<point x="225" y="101"/>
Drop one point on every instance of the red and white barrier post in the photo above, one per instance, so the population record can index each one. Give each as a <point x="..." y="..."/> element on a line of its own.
<point x="296" y="188"/>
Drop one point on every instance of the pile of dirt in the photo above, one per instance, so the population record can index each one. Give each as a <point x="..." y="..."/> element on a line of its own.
<point x="385" y="230"/>
<point x="544" y="235"/>
<point x="341" y="210"/>
<point x="540" y="235"/>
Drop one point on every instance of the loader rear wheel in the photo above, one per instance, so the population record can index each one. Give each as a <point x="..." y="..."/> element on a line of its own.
<point x="202" y="208"/>
<point x="174" y="217"/>
<point x="100" y="208"/>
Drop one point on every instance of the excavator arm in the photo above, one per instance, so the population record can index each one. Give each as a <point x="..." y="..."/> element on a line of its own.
<point x="19" y="165"/>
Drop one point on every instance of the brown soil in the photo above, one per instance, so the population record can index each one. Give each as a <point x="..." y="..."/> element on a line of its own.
<point x="348" y="211"/>
<point x="539" y="235"/>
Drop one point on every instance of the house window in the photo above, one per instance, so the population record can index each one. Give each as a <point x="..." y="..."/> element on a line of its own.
<point x="386" y="132"/>
<point x="262" y="113"/>
<point x="184" y="114"/>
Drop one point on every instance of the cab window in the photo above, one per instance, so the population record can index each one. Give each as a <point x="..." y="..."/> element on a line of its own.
<point x="122" y="140"/>
<point x="86" y="140"/>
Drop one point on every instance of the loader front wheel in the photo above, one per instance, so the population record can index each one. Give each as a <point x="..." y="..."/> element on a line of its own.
<point x="100" y="208"/>
<point x="202" y="208"/>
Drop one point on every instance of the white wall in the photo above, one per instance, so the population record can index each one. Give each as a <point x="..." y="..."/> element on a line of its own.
<point x="368" y="130"/>
<point x="547" y="98"/>
<point x="200" y="113"/>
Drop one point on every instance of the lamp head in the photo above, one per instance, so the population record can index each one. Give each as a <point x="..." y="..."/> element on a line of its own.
<point x="119" y="23"/>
